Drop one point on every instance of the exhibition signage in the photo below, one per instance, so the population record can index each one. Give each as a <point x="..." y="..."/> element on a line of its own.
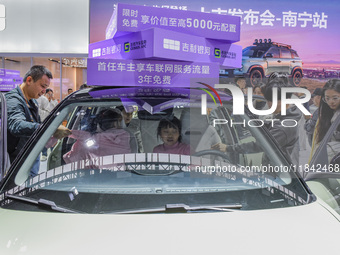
<point x="158" y="43"/>
<point x="9" y="79"/>
<point x="121" y="72"/>
<point x="132" y="18"/>
<point x="7" y="87"/>
<point x="8" y="72"/>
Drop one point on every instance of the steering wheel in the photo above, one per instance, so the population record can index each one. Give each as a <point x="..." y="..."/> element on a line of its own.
<point x="212" y="152"/>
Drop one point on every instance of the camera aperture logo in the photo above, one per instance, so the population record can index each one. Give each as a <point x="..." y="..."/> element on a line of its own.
<point x="2" y="17"/>
<point x="204" y="97"/>
<point x="127" y="47"/>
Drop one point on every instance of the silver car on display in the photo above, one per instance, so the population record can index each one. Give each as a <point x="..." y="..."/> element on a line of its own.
<point x="264" y="58"/>
<point x="116" y="186"/>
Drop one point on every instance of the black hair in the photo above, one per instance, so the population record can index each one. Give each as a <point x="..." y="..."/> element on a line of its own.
<point x="69" y="89"/>
<point x="325" y="112"/>
<point x="84" y="86"/>
<point x="170" y="122"/>
<point x="120" y="107"/>
<point x="276" y="82"/>
<point x="48" y="90"/>
<point x="107" y="117"/>
<point x="37" y="72"/>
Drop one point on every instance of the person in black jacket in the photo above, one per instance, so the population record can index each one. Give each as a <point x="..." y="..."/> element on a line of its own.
<point x="22" y="112"/>
<point x="286" y="136"/>
<point x="311" y="122"/>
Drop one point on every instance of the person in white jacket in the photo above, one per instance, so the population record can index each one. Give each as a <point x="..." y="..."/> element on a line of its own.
<point x="46" y="103"/>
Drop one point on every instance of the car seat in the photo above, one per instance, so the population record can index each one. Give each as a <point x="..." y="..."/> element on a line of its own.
<point x="197" y="131"/>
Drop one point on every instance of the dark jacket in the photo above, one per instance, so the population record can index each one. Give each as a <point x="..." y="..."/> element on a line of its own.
<point x="310" y="126"/>
<point x="22" y="120"/>
<point x="286" y="136"/>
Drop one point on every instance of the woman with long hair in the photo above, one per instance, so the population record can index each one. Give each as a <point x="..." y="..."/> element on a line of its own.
<point x="329" y="110"/>
<point x="329" y="107"/>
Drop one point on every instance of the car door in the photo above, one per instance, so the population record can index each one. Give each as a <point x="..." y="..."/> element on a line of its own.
<point x="323" y="172"/>
<point x="272" y="57"/>
<point x="286" y="59"/>
<point x="4" y="162"/>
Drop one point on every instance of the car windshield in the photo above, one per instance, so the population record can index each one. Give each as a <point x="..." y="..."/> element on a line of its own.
<point x="326" y="159"/>
<point x="140" y="149"/>
<point x="254" y="51"/>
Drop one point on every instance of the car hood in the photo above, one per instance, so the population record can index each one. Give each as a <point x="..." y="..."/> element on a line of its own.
<point x="311" y="229"/>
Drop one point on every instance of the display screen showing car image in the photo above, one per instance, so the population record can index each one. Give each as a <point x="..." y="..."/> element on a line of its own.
<point x="266" y="57"/>
<point x="152" y="150"/>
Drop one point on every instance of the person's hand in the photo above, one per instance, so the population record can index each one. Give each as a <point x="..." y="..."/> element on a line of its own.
<point x="61" y="132"/>
<point x="219" y="147"/>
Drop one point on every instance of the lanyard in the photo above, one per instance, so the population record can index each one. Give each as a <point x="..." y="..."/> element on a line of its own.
<point x="28" y="105"/>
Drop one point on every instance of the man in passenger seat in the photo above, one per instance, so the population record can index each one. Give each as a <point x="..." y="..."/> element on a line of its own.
<point x="197" y="131"/>
<point x="112" y="139"/>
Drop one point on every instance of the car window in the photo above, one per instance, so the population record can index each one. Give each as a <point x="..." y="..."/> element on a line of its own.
<point x="328" y="151"/>
<point x="285" y="53"/>
<point x="294" y="54"/>
<point x="323" y="172"/>
<point x="254" y="51"/>
<point x="108" y="166"/>
<point x="275" y="52"/>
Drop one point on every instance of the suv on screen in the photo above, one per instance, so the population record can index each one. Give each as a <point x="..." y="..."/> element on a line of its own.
<point x="266" y="57"/>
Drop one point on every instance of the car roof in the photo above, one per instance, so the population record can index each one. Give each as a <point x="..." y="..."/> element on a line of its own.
<point x="268" y="46"/>
<point x="110" y="92"/>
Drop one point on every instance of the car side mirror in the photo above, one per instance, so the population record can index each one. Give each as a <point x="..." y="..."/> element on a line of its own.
<point x="268" y="55"/>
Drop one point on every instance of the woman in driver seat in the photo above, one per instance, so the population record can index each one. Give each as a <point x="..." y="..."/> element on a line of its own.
<point x="112" y="138"/>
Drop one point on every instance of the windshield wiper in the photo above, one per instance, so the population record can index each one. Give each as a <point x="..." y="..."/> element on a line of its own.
<point x="44" y="203"/>
<point x="184" y="208"/>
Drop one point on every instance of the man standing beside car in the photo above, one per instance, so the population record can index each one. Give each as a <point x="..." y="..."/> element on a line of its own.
<point x="22" y="112"/>
<point x="46" y="105"/>
<point x="287" y="136"/>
